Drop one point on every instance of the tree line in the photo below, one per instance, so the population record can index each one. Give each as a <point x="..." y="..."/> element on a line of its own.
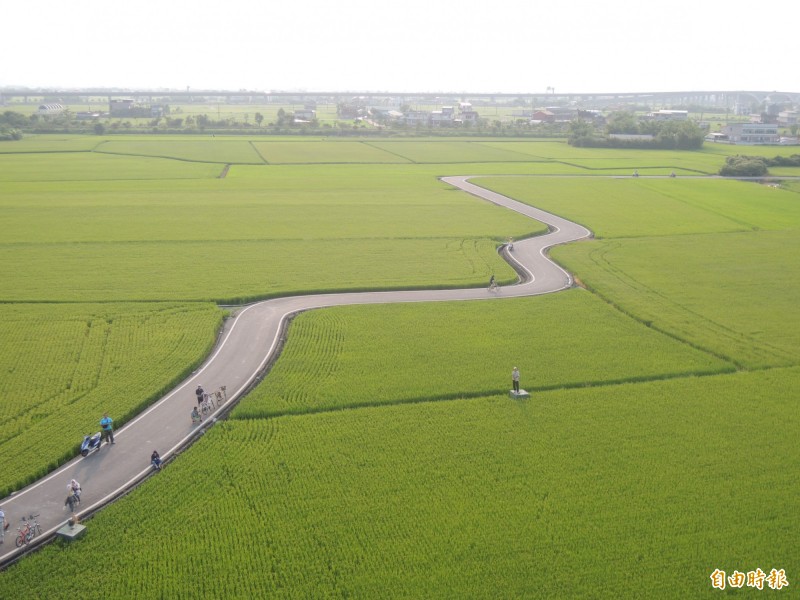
<point x="664" y="135"/>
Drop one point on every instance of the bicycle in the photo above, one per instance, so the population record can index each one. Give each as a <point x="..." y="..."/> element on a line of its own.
<point x="28" y="531"/>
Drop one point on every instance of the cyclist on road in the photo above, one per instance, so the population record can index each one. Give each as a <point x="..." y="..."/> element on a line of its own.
<point x="155" y="460"/>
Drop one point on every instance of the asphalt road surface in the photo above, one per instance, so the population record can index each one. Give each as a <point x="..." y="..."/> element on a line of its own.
<point x="249" y="341"/>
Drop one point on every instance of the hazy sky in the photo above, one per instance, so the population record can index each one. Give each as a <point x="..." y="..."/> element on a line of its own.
<point x="413" y="45"/>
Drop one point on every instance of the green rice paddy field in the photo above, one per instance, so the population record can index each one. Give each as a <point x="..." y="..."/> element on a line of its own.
<point x="380" y="459"/>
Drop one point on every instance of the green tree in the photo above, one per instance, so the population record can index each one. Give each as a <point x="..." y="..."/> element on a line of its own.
<point x="259" y="118"/>
<point x="744" y="166"/>
<point x="622" y="122"/>
<point x="13" y="119"/>
<point x="99" y="129"/>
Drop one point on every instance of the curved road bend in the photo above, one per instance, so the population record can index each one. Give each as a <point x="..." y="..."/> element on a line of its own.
<point x="248" y="342"/>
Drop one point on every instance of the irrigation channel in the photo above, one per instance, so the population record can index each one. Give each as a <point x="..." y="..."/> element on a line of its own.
<point x="249" y="342"/>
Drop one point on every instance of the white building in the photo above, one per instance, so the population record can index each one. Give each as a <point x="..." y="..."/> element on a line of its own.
<point x="787" y="118"/>
<point x="669" y="115"/>
<point x="752" y="133"/>
<point x="50" y="109"/>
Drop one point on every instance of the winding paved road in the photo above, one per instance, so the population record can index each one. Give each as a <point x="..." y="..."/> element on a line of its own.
<point x="248" y="343"/>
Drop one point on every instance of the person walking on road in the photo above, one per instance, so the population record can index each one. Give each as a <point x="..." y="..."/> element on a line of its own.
<point x="515" y="379"/>
<point x="201" y="395"/>
<point x="3" y="525"/>
<point x="75" y="487"/>
<point x="107" y="426"/>
<point x="70" y="502"/>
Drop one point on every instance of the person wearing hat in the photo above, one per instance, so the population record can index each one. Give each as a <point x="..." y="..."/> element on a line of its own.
<point x="515" y="379"/>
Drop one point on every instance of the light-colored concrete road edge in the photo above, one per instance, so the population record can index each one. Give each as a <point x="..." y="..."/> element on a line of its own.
<point x="249" y="343"/>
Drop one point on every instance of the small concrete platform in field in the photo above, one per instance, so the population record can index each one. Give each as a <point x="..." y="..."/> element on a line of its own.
<point x="520" y="395"/>
<point x="71" y="532"/>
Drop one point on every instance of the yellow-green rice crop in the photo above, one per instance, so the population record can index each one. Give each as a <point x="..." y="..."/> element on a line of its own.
<point x="350" y="356"/>
<point x="631" y="207"/>
<point x="732" y="294"/>
<point x="205" y="150"/>
<point x="628" y="491"/>
<point x="283" y="152"/>
<point x="64" y="365"/>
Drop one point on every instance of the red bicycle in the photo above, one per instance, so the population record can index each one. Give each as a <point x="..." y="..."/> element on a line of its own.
<point x="28" y="530"/>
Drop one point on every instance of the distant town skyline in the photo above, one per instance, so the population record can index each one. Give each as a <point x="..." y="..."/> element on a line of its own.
<point x="506" y="46"/>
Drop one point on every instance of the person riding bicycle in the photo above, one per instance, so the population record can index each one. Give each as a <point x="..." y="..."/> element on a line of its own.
<point x="155" y="460"/>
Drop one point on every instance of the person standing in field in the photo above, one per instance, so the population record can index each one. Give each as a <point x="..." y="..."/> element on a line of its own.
<point x="515" y="379"/>
<point x="107" y="428"/>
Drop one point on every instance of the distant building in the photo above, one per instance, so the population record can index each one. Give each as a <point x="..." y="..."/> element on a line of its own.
<point x="752" y="133"/>
<point x="120" y="107"/>
<point x="446" y="116"/>
<point x="305" y="114"/>
<point x="787" y="118"/>
<point x="631" y="137"/>
<point x="387" y="113"/>
<point x="50" y="109"/>
<point x="543" y="116"/>
<point x="717" y="137"/>
<point x="668" y="115"/>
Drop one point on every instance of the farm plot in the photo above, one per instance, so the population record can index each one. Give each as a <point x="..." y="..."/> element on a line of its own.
<point x="450" y="152"/>
<point x="213" y="151"/>
<point x="349" y="356"/>
<point x="50" y="143"/>
<point x="578" y="493"/>
<point x="242" y="270"/>
<point x="85" y="166"/>
<point x="286" y="230"/>
<point x="64" y="365"/>
<point x="732" y="294"/>
<point x="324" y="152"/>
<point x="638" y="207"/>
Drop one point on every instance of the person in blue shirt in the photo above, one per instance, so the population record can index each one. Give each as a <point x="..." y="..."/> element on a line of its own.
<point x="107" y="427"/>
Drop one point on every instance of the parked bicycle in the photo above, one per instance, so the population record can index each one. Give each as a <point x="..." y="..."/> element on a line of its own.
<point x="28" y="531"/>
